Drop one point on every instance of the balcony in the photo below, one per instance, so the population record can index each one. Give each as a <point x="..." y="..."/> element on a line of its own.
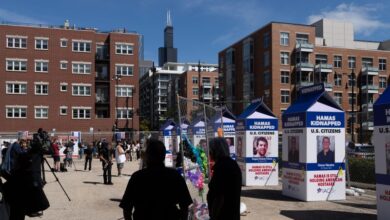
<point x="216" y="97"/>
<point x="370" y="89"/>
<point x="102" y="57"/>
<point x="207" y="96"/>
<point x="162" y="109"/>
<point x="101" y="76"/>
<point x="324" y="68"/>
<point x="304" y="83"/>
<point x="368" y="125"/>
<point x="207" y="85"/>
<point x="328" y="86"/>
<point x="304" y="47"/>
<point x="101" y="99"/>
<point x="373" y="71"/>
<point x="367" y="107"/>
<point x="308" y="67"/>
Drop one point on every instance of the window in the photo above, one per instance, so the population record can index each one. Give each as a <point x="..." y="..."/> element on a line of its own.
<point x="285" y="96"/>
<point x="351" y="62"/>
<point x="63" y="65"/>
<point x="194" y="80"/>
<point x="337" y="61"/>
<point x="321" y="59"/>
<point x="124" y="113"/>
<point x="17" y="42"/>
<point x="41" y="89"/>
<point x="81" y="113"/>
<point x="16" y="65"/>
<point x="16" y="111"/>
<point x="16" y="87"/>
<point x="337" y="79"/>
<point x="266" y="40"/>
<point x="382" y="64"/>
<point x="63" y="110"/>
<point x="350" y="98"/>
<point x="351" y="80"/>
<point x="81" y="90"/>
<point x="382" y="82"/>
<point x="266" y="59"/>
<point x="124" y="91"/>
<point x="367" y="62"/>
<point x="42" y="44"/>
<point x="284" y="58"/>
<point x="41" y="112"/>
<point x="284" y="38"/>
<point x="64" y="43"/>
<point x="81" y="68"/>
<point x="124" y="70"/>
<point x="124" y="48"/>
<point x="302" y="39"/>
<point x="284" y="77"/>
<point x="64" y="87"/>
<point x="195" y="91"/>
<point x="81" y="46"/>
<point x="41" y="66"/>
<point x="338" y="97"/>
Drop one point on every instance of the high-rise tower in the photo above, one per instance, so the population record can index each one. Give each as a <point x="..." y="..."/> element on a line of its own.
<point x="167" y="53"/>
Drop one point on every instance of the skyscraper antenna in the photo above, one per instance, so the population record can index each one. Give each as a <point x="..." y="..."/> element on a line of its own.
<point x="169" y="20"/>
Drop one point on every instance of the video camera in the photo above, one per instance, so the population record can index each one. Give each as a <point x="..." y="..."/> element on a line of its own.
<point x="41" y="142"/>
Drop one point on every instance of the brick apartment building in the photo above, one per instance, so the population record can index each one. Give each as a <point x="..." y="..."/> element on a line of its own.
<point x="276" y="60"/>
<point x="205" y="89"/>
<point x="68" y="79"/>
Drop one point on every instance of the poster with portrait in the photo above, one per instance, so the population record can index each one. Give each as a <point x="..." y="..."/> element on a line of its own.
<point x="261" y="146"/>
<point x="232" y="148"/>
<point x="325" y="149"/>
<point x="240" y="146"/>
<point x="293" y="149"/>
<point x="381" y="141"/>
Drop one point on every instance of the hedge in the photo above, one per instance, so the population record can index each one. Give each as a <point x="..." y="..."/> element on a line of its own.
<point x="362" y="170"/>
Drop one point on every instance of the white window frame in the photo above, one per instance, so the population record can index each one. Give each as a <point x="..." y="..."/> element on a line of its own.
<point x="39" y="112"/>
<point x="337" y="61"/>
<point x="13" y="84"/>
<point x="41" y="40"/>
<point x="81" y="88"/>
<point x="79" y="109"/>
<point x="81" y="67"/>
<point x="338" y="98"/>
<point x="284" y="41"/>
<point x="124" y="113"/>
<point x="42" y="85"/>
<point x="63" y="40"/>
<point x="382" y="82"/>
<point x="284" y="77"/>
<point x="66" y="87"/>
<point x="20" y="40"/>
<point x="284" y="60"/>
<point x="195" y="91"/>
<point x="382" y="65"/>
<point x="195" y="80"/>
<point x="124" y="91"/>
<point x="41" y="64"/>
<point x="124" y="48"/>
<point x="338" y="79"/>
<point x="82" y="46"/>
<point x="283" y="97"/>
<point x="16" y="63"/>
<point x="63" y="62"/>
<point x="351" y="62"/>
<point x="19" y="108"/>
<point x="124" y="69"/>
<point x="64" y="108"/>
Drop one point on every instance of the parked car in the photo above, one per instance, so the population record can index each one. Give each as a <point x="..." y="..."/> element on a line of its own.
<point x="361" y="150"/>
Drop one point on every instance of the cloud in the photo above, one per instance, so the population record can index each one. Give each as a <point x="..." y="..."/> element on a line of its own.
<point x="361" y="16"/>
<point x="10" y="16"/>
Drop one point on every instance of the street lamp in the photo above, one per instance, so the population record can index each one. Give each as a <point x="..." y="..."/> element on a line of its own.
<point x="153" y="69"/>
<point x="117" y="78"/>
<point x="353" y="76"/>
<point x="133" y="91"/>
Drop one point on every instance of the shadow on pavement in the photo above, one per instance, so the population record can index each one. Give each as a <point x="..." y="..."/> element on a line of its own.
<point x="266" y="194"/>
<point x="356" y="205"/>
<point x="115" y="200"/>
<point x="326" y="215"/>
<point x="92" y="182"/>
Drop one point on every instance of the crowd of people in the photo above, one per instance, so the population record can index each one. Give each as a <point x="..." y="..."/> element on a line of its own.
<point x="142" y="199"/>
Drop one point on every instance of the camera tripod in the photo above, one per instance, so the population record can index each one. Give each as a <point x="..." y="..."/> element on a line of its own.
<point x="55" y="176"/>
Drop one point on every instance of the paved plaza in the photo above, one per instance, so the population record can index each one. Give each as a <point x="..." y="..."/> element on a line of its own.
<point x="93" y="200"/>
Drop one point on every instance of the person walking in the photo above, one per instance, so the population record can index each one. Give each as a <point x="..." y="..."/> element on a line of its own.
<point x="120" y="157"/>
<point x="167" y="200"/>
<point x="88" y="156"/>
<point x="106" y="155"/>
<point x="224" y="193"/>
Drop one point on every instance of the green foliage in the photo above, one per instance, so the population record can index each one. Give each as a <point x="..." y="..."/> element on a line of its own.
<point x="362" y="170"/>
<point x="144" y="125"/>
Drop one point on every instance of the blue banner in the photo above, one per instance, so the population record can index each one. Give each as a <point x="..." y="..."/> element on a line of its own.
<point x="227" y="127"/>
<point x="325" y="119"/>
<point x="294" y="120"/>
<point x="261" y="124"/>
<point x="167" y="133"/>
<point x="381" y="115"/>
<point x="260" y="159"/>
<point x="382" y="179"/>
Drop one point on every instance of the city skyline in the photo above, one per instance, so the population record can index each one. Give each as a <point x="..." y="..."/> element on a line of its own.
<point x="202" y="28"/>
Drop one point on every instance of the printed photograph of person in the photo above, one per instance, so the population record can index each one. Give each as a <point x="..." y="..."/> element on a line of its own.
<point x="293" y="149"/>
<point x="239" y="146"/>
<point x="325" y="146"/>
<point x="260" y="147"/>
<point x="203" y="144"/>
<point x="230" y="142"/>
